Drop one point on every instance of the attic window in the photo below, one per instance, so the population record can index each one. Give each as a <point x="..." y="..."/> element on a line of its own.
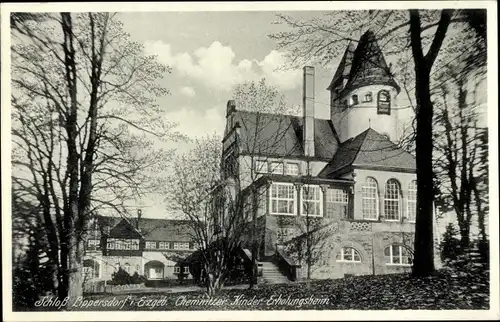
<point x="354" y="100"/>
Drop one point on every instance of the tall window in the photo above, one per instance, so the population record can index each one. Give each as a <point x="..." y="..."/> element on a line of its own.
<point x="392" y="200"/>
<point x="339" y="198"/>
<point x="277" y="167"/>
<point x="412" y="200"/>
<point x="370" y="199"/>
<point x="292" y="169"/>
<point x="384" y="102"/>
<point x="398" y="255"/>
<point x="282" y="199"/>
<point x="312" y="201"/>
<point x="348" y="254"/>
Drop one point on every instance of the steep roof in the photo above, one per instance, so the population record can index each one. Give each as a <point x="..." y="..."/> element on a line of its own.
<point x="281" y="135"/>
<point x="344" y="67"/>
<point x="368" y="65"/>
<point x="154" y="229"/>
<point x="369" y="148"/>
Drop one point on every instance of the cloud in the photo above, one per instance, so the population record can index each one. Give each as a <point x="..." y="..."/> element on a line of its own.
<point x="216" y="68"/>
<point x="194" y="123"/>
<point x="188" y="91"/>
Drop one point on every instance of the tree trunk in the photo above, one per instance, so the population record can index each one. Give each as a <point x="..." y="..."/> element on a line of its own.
<point x="423" y="264"/>
<point x="255" y="244"/>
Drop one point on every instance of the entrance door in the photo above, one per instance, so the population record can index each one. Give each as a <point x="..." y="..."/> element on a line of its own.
<point x="155" y="273"/>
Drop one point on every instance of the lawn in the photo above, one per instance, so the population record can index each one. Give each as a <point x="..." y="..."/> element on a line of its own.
<point x="446" y="290"/>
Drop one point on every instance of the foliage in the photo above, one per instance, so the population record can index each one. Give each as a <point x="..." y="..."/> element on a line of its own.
<point x="450" y="245"/>
<point x="122" y="277"/>
<point x="31" y="279"/>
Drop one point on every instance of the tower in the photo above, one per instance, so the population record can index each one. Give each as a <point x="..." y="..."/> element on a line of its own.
<point x="363" y="91"/>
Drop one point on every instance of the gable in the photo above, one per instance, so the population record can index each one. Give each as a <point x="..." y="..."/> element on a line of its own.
<point x="124" y="229"/>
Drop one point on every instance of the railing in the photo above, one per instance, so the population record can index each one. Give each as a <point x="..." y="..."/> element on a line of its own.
<point x="286" y="265"/>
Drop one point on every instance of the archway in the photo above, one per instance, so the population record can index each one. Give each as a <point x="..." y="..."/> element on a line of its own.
<point x="154" y="270"/>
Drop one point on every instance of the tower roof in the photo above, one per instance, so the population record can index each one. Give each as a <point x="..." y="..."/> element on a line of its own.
<point x="344" y="67"/>
<point x="369" y="66"/>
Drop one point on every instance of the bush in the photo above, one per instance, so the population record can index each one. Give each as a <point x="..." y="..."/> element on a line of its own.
<point x="121" y="277"/>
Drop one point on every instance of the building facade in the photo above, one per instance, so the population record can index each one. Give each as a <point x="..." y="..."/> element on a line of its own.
<point x="153" y="248"/>
<point x="340" y="187"/>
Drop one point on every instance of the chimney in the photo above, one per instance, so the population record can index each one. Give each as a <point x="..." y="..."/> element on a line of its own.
<point x="139" y="215"/>
<point x="308" y="111"/>
<point x="231" y="107"/>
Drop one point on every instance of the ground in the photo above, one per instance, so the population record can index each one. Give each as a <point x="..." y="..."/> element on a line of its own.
<point x="446" y="290"/>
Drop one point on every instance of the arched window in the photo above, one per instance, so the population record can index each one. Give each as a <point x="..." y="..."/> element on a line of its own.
<point x="370" y="199"/>
<point x="392" y="200"/>
<point x="368" y="97"/>
<point x="384" y="102"/>
<point x="348" y="254"/>
<point x="412" y="200"/>
<point x="398" y="255"/>
<point x="354" y="99"/>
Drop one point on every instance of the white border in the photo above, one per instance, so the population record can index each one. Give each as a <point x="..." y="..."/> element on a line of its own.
<point x="493" y="313"/>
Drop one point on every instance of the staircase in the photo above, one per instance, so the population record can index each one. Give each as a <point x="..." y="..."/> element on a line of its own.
<point x="272" y="275"/>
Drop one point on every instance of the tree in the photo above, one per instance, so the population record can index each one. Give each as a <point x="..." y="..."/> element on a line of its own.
<point x="399" y="32"/>
<point x="450" y="245"/>
<point x="85" y="126"/>
<point x="209" y="204"/>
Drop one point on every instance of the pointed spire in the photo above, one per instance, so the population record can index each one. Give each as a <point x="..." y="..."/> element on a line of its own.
<point x="368" y="65"/>
<point x="344" y="67"/>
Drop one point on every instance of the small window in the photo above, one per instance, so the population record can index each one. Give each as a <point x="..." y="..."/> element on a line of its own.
<point x="261" y="166"/>
<point x="277" y="167"/>
<point x="292" y="169"/>
<point x="163" y="245"/>
<point x="398" y="255"/>
<point x="354" y="100"/>
<point x="181" y="246"/>
<point x="177" y="269"/>
<point x="151" y="245"/>
<point x="348" y="254"/>
<point x="368" y="97"/>
<point x="186" y="269"/>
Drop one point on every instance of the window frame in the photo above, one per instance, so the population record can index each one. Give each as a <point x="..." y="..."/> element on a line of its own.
<point x="293" y="200"/>
<point x="177" y="245"/>
<point x="388" y="201"/>
<point x="287" y="167"/>
<point x="354" y="99"/>
<point x="412" y="201"/>
<point x="364" y="189"/>
<point x="401" y="249"/>
<point x="386" y="110"/>
<point x="339" y="196"/>
<point x="149" y="243"/>
<point x="368" y="97"/>
<point x="303" y="200"/>
<point x="185" y="269"/>
<point x="354" y="252"/>
<point x="177" y="269"/>
<point x="272" y="167"/>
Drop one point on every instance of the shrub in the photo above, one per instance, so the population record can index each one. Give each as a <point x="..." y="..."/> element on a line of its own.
<point x="450" y="245"/>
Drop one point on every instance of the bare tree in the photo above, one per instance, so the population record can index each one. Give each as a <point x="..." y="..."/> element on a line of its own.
<point x="84" y="113"/>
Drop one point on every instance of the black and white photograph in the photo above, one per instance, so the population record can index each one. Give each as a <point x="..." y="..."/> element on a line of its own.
<point x="239" y="160"/>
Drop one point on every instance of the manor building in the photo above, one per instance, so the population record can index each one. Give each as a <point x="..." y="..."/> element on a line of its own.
<point x="343" y="180"/>
<point x="153" y="248"/>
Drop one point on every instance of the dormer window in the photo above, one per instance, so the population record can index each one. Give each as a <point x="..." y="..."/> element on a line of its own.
<point x="354" y="100"/>
<point x="368" y="97"/>
<point x="383" y="102"/>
